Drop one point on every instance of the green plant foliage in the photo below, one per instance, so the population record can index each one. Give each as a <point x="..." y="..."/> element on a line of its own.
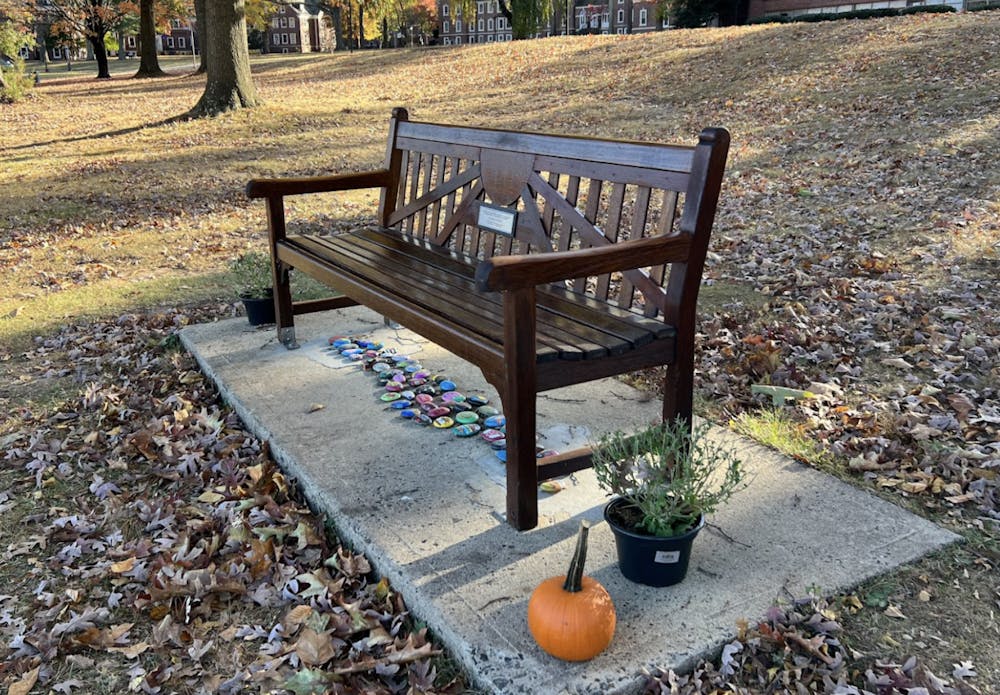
<point x="669" y="474"/>
<point x="14" y="83"/>
<point x="251" y="274"/>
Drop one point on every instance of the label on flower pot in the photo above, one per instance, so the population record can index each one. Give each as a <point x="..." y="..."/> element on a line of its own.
<point x="667" y="557"/>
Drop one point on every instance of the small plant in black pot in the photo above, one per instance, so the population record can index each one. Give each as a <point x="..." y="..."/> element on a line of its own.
<point x="251" y="275"/>
<point x="667" y="480"/>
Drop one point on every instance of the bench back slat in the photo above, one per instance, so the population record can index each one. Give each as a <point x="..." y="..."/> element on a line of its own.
<point x="575" y="193"/>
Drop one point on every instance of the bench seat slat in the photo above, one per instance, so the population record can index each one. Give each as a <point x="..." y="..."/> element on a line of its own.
<point x="567" y="329"/>
<point x="590" y="333"/>
<point x="479" y="312"/>
<point x="625" y="326"/>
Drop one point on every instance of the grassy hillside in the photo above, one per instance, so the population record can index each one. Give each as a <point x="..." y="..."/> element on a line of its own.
<point x="856" y="252"/>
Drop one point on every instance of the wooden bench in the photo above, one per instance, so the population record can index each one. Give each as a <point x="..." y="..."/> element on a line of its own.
<point x="544" y="260"/>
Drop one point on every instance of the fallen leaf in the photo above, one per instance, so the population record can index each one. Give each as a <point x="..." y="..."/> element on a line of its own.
<point x="27" y="682"/>
<point x="894" y="612"/>
<point x="314" y="407"/>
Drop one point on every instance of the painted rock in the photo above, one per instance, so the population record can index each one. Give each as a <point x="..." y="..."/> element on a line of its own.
<point x="466" y="418"/>
<point x="429" y="389"/>
<point x="486" y="410"/>
<point x="338" y="342"/>
<point x="423" y="419"/>
<point x="350" y="352"/>
<point x="439" y="411"/>
<point x="545" y="453"/>
<point x="466" y="430"/>
<point x="389" y="397"/>
<point x="408" y="395"/>
<point x="348" y="346"/>
<point x="393" y="387"/>
<point x="400" y="404"/>
<point x="449" y="396"/>
<point x="443" y="422"/>
<point x="380" y="367"/>
<point x="421" y="374"/>
<point x="399" y="359"/>
<point x="502" y="455"/>
<point x="499" y="444"/>
<point x="409" y="413"/>
<point x="422" y="398"/>
<point x="412" y="368"/>
<point x="399" y="377"/>
<point x="416" y="382"/>
<point x="491" y="435"/>
<point x="446" y="385"/>
<point x="478" y="400"/>
<point x="496" y="421"/>
<point x="459" y="406"/>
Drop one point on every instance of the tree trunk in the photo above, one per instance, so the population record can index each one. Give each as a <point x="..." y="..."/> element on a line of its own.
<point x="361" y="24"/>
<point x="338" y="28"/>
<point x="200" y="13"/>
<point x="149" y="62"/>
<point x="229" y="85"/>
<point x="120" y="37"/>
<point x="41" y="33"/>
<point x="97" y="44"/>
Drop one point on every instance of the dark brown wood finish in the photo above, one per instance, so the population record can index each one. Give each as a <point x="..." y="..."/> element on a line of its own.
<point x="576" y="294"/>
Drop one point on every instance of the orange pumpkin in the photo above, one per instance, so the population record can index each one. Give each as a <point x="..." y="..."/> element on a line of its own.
<point x="572" y="617"/>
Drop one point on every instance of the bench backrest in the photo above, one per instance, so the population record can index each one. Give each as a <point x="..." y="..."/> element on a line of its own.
<point x="569" y="193"/>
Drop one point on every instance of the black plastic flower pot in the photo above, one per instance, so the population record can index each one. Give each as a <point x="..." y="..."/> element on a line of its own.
<point x="650" y="560"/>
<point x="260" y="310"/>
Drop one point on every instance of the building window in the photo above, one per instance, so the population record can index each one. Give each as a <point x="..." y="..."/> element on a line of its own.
<point x="447" y="41"/>
<point x="130" y="42"/>
<point x="284" y="39"/>
<point x="508" y="37"/>
<point x="292" y="39"/>
<point x="444" y="10"/>
<point x="274" y="39"/>
<point x="175" y="23"/>
<point x="283" y="22"/>
<point x="458" y="40"/>
<point x="489" y="24"/>
<point x="181" y="43"/>
<point x="170" y="42"/>
<point x="445" y="26"/>
<point x="480" y="7"/>
<point x="604" y="19"/>
<point x="642" y="17"/>
<point x="56" y="53"/>
<point x="479" y="25"/>
<point x="581" y="21"/>
<point x="458" y="25"/>
<point x="621" y="16"/>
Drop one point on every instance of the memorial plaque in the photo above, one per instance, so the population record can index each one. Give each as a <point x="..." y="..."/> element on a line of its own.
<point x="497" y="219"/>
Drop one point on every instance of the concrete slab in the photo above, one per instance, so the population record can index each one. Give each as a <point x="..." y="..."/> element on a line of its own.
<point x="427" y="508"/>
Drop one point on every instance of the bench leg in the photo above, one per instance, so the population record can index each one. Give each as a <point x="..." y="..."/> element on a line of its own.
<point x="678" y="389"/>
<point x="519" y="408"/>
<point x="283" y="314"/>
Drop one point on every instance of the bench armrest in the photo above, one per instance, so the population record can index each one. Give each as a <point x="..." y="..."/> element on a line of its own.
<point x="270" y="188"/>
<point x="515" y="272"/>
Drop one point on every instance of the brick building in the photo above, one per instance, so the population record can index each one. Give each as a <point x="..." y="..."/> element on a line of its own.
<point x="488" y="25"/>
<point x="294" y="29"/>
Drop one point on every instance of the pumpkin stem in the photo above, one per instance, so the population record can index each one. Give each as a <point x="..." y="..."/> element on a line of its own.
<point x="574" y="577"/>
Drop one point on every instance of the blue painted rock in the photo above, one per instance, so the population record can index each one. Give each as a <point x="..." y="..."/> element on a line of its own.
<point x="467" y="430"/>
<point x="400" y="404"/>
<point x="478" y="400"/>
<point x="446" y="385"/>
<point x="496" y="421"/>
<point x="423" y="419"/>
<point x="409" y="413"/>
<point x="502" y="455"/>
<point x="380" y="367"/>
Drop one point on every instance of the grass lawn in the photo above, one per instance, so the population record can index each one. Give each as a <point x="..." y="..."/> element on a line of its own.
<point x="856" y="256"/>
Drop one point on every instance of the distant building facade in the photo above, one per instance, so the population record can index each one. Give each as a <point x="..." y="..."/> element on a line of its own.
<point x="294" y="29"/>
<point x="489" y="25"/>
<point x="794" y="8"/>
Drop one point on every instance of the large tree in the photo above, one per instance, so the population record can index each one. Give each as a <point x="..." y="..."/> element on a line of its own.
<point x="525" y="16"/>
<point x="229" y="85"/>
<point x="95" y="19"/>
<point x="149" y="62"/>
